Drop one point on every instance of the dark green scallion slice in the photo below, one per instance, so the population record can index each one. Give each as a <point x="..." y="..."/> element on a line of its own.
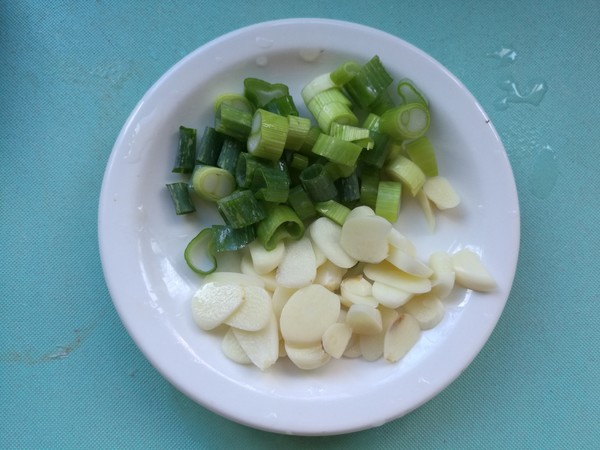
<point x="186" y="151"/>
<point x="182" y="201"/>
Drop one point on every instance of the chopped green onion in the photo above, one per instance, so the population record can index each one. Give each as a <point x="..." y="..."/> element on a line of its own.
<point x="403" y="169"/>
<point x="333" y="95"/>
<point x="298" y="161"/>
<point x="370" y="81"/>
<point x="301" y="203"/>
<point x="349" y="132"/>
<point x="389" y="195"/>
<point x="335" y="113"/>
<point x="268" y="135"/>
<point x="309" y="141"/>
<point x="238" y="101"/>
<point x="212" y="183"/>
<point x="382" y="103"/>
<point x="233" y="122"/>
<point x="270" y="184"/>
<point x="230" y="152"/>
<point x="337" y="150"/>
<point x="336" y="171"/>
<point x="348" y="188"/>
<point x="284" y="106"/>
<point x="317" y="183"/>
<point x="261" y="92"/>
<point x="180" y="195"/>
<point x="186" y="150"/>
<point x="369" y="185"/>
<point x="394" y="149"/>
<point x="409" y="93"/>
<point x="280" y="223"/>
<point x="409" y="121"/>
<point x="333" y="210"/>
<point x="377" y="154"/>
<point x="319" y="84"/>
<point x="204" y="238"/>
<point x="371" y="122"/>
<point x="209" y="147"/>
<point x="246" y="166"/>
<point x="240" y="209"/>
<point x="229" y="239"/>
<point x="422" y="153"/>
<point x="298" y="129"/>
<point x="344" y="72"/>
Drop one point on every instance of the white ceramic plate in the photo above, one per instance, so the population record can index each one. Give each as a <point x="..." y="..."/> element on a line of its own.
<point x="142" y="240"/>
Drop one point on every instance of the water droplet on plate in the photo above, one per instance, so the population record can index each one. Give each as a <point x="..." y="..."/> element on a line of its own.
<point x="261" y="61"/>
<point x="544" y="173"/>
<point x="263" y="42"/>
<point x="310" y="54"/>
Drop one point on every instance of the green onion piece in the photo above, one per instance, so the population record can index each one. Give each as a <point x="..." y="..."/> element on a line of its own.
<point x="422" y="153"/>
<point x="203" y="239"/>
<point x="298" y="128"/>
<point x="182" y="201"/>
<point x="377" y="155"/>
<point x="233" y="122"/>
<point x="369" y="185"/>
<point x="317" y="183"/>
<point x="230" y="152"/>
<point x="261" y="92"/>
<point x="371" y="122"/>
<point x="284" y="106"/>
<point x="281" y="223"/>
<point x="238" y="101"/>
<point x="403" y="169"/>
<point x="212" y="183"/>
<point x="368" y="83"/>
<point x="389" y="195"/>
<point x="348" y="188"/>
<point x="394" y="149"/>
<point x="337" y="150"/>
<point x="268" y="135"/>
<point x="409" y="121"/>
<point x="186" y="151"/>
<point x="310" y="140"/>
<point x="409" y="93"/>
<point x="337" y="171"/>
<point x="349" y="132"/>
<point x="319" y="84"/>
<point x="335" y="113"/>
<point x="270" y="184"/>
<point x="382" y="103"/>
<point x="209" y="147"/>
<point x="333" y="95"/>
<point x="301" y="203"/>
<point x="246" y="166"/>
<point x="229" y="239"/>
<point x="240" y="209"/>
<point x="344" y="72"/>
<point x="298" y="161"/>
<point x="333" y="210"/>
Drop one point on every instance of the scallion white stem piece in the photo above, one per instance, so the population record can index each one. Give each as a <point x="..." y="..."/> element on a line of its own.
<point x="403" y="169"/>
<point x="212" y="183"/>
<point x="408" y="121"/>
<point x="268" y="135"/>
<point x="337" y="150"/>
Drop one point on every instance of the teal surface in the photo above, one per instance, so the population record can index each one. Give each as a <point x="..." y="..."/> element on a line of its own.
<point x="70" y="74"/>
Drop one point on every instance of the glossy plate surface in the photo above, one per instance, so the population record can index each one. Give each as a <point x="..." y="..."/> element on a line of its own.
<point x="142" y="240"/>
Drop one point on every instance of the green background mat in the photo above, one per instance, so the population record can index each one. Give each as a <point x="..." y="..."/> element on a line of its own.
<point x="70" y="74"/>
